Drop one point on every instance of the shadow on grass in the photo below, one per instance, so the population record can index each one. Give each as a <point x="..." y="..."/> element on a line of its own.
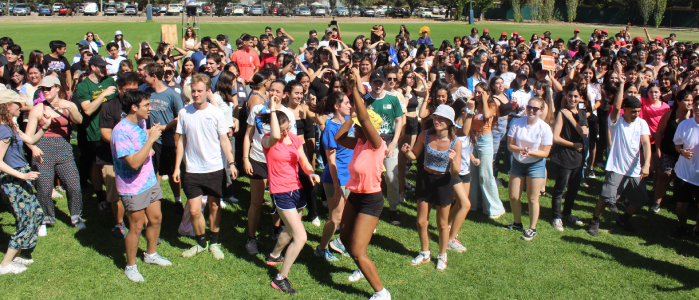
<point x="685" y="276"/>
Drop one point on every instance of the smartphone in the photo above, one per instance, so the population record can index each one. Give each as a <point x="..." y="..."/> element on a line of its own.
<point x="333" y="22"/>
<point x="539" y="40"/>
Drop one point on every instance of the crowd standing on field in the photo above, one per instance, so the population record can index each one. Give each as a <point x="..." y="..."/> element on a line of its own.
<point x="363" y="110"/>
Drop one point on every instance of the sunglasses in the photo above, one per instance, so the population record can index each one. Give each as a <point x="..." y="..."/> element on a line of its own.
<point x="533" y="109"/>
<point x="392" y="79"/>
<point x="45" y="89"/>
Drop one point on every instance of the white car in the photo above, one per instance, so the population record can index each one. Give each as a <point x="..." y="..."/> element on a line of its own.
<point x="90" y="9"/>
<point x="57" y="6"/>
<point x="425" y="12"/>
<point x="174" y="9"/>
<point x="238" y="11"/>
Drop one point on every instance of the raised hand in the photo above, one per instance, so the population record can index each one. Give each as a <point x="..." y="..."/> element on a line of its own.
<point x="155" y="132"/>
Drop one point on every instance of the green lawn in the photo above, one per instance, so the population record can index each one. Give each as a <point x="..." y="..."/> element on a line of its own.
<point x="498" y="264"/>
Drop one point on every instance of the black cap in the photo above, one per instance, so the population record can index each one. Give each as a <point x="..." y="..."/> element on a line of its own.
<point x="377" y="75"/>
<point x="631" y="102"/>
<point x="83" y="43"/>
<point x="98" y="60"/>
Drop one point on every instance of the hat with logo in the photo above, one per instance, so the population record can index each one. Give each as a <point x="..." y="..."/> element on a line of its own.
<point x="377" y="75"/>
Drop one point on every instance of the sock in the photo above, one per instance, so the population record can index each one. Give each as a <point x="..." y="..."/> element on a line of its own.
<point x="520" y="224"/>
<point x="280" y="277"/>
<point x="201" y="240"/>
<point x="383" y="292"/>
<point x="214" y="237"/>
<point x="425" y="253"/>
<point x="151" y="255"/>
<point x="178" y="199"/>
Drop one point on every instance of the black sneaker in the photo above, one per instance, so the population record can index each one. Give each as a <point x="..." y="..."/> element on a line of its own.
<point x="179" y="209"/>
<point x="612" y="207"/>
<point x="514" y="226"/>
<point x="623" y="222"/>
<point x="680" y="231"/>
<point x="251" y="246"/>
<point x="283" y="286"/>
<point x="594" y="228"/>
<point x="529" y="234"/>
<point x="395" y="220"/>
<point x="270" y="260"/>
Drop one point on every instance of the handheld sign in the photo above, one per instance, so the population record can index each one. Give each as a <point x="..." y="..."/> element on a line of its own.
<point x="548" y="62"/>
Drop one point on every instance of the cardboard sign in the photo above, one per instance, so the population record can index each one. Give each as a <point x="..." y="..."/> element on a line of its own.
<point x="168" y="34"/>
<point x="548" y="62"/>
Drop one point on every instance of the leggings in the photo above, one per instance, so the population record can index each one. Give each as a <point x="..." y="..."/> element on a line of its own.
<point x="19" y="194"/>
<point x="58" y="160"/>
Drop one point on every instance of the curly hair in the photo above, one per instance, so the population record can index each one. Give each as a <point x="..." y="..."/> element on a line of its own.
<point x="6" y="118"/>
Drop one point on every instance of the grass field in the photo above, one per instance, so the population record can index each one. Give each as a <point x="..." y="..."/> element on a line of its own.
<point x="498" y="264"/>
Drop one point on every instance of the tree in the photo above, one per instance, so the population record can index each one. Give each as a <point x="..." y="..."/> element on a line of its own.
<point x="535" y="10"/>
<point x="483" y="5"/>
<point x="460" y="5"/>
<point x="659" y="11"/>
<point x="572" y="6"/>
<point x="517" y="8"/>
<point x="646" y="8"/>
<point x="547" y="10"/>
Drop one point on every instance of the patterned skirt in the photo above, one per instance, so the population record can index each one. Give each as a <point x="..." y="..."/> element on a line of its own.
<point x="19" y="194"/>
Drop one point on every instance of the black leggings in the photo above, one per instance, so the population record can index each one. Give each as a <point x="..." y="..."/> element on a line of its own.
<point x="570" y="178"/>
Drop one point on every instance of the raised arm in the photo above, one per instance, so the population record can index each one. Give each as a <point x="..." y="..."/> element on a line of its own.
<point x="363" y="115"/>
<point x="618" y="100"/>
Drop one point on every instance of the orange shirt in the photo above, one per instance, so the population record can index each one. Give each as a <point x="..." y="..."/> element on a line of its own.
<point x="247" y="62"/>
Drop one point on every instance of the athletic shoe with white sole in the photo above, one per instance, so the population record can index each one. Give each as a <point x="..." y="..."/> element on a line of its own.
<point x="196" y="249"/>
<point x="529" y="234"/>
<point x="456" y="246"/>
<point x="42" y="230"/>
<point x="325" y="253"/>
<point x="558" y="224"/>
<point x="13" y="268"/>
<point x="271" y="260"/>
<point x="156" y="259"/>
<point x="573" y="219"/>
<point x="338" y="246"/>
<point x="356" y="275"/>
<point x="283" y="286"/>
<point x="119" y="231"/>
<point x="23" y="261"/>
<point x="441" y="262"/>
<point x="378" y="296"/>
<point x="215" y="250"/>
<point x="316" y="222"/>
<point x="133" y="274"/>
<point x="80" y="225"/>
<point x="420" y="258"/>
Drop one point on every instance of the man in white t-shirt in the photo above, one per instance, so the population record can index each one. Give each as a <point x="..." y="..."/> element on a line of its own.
<point x="624" y="171"/>
<point x="687" y="183"/>
<point x="202" y="127"/>
<point x="114" y="59"/>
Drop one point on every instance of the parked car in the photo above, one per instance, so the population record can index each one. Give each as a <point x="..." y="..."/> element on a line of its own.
<point x="425" y="12"/>
<point x="227" y="11"/>
<point x="56" y="7"/>
<point x="381" y="10"/>
<point x="256" y="10"/>
<point x="63" y="11"/>
<point x="120" y="7"/>
<point x="368" y="12"/>
<point x="163" y="9"/>
<point x="397" y="13"/>
<point x="283" y="11"/>
<point x="21" y="9"/>
<point x="90" y="9"/>
<point x="238" y="10"/>
<point x="340" y="11"/>
<point x="129" y="10"/>
<point x="206" y="8"/>
<point x="174" y="9"/>
<point x="318" y="10"/>
<point x="110" y="10"/>
<point x="303" y="11"/>
<point x="45" y="10"/>
<point x="356" y="12"/>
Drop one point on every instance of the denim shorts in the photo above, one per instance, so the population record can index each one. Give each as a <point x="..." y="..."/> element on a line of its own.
<point x="533" y="170"/>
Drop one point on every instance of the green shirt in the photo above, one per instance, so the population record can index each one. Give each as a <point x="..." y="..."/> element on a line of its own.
<point x="388" y="108"/>
<point x="89" y="91"/>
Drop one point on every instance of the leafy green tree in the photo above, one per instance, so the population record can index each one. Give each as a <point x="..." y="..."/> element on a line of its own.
<point x="483" y="5"/>
<point x="659" y="11"/>
<point x="572" y="6"/>
<point x="517" y="8"/>
<point x="646" y="8"/>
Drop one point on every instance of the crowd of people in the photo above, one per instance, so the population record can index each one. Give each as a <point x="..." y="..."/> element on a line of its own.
<point x="205" y="112"/>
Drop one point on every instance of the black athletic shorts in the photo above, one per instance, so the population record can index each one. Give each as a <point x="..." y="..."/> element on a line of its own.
<point x="368" y="204"/>
<point x="191" y="10"/>
<point x="686" y="192"/>
<point x="164" y="159"/>
<point x="435" y="189"/>
<point x="199" y="184"/>
<point x="259" y="170"/>
<point x="461" y="179"/>
<point x="411" y="126"/>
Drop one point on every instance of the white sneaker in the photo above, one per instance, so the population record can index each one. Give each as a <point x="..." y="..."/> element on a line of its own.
<point x="156" y="259"/>
<point x="356" y="275"/>
<point x="377" y="296"/>
<point x="233" y="199"/>
<point x="442" y="262"/>
<point x="55" y="194"/>
<point x="456" y="246"/>
<point x="22" y="261"/>
<point x="133" y="274"/>
<point x="316" y="222"/>
<point x="223" y="204"/>
<point x="13" y="268"/>
<point x="164" y="177"/>
<point x="558" y="224"/>
<point x="420" y="258"/>
<point x="42" y="230"/>
<point x="80" y="225"/>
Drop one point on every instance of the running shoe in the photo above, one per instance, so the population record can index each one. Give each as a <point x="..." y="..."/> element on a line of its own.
<point x="558" y="224"/>
<point x="325" y="253"/>
<point x="573" y="219"/>
<point x="441" y="262"/>
<point x="395" y="219"/>
<point x="233" y="199"/>
<point x="655" y="207"/>
<point x="119" y="231"/>
<point x="624" y="222"/>
<point x="514" y="226"/>
<point x="22" y="261"/>
<point x="456" y="246"/>
<point x="283" y="286"/>
<point x="496" y="216"/>
<point x="529" y="234"/>
<point x="271" y="260"/>
<point x="104" y="206"/>
<point x="612" y="207"/>
<point x="251" y="246"/>
<point x="216" y="251"/>
<point x="377" y="296"/>
<point x="133" y="274"/>
<point x="80" y="225"/>
<point x="316" y="222"/>
<point x="591" y="174"/>
<point x="42" y="230"/>
<point x="356" y="275"/>
<point x="196" y="249"/>
<point x="420" y="258"/>
<point x="594" y="228"/>
<point x="55" y="194"/>
<point x="13" y="268"/>
<point x="156" y="259"/>
<point x="338" y="246"/>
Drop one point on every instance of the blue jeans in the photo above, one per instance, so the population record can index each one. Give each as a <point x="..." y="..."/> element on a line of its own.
<point x="500" y="139"/>
<point x="482" y="179"/>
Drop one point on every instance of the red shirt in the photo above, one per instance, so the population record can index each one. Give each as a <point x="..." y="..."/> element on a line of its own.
<point x="269" y="59"/>
<point x="283" y="165"/>
<point x="247" y="62"/>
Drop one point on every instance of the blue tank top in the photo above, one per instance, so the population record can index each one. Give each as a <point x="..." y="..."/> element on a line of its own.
<point x="436" y="160"/>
